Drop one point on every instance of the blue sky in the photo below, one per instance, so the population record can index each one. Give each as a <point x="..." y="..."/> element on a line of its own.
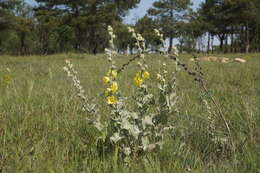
<point x="140" y="11"/>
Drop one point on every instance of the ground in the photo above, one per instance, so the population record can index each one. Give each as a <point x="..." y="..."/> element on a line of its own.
<point x="42" y="128"/>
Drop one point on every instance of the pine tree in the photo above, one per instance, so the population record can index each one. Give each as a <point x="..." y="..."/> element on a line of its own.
<point x="88" y="18"/>
<point x="169" y="13"/>
<point x="145" y="26"/>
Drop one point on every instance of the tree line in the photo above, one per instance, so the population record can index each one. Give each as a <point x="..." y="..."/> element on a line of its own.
<point x="59" y="26"/>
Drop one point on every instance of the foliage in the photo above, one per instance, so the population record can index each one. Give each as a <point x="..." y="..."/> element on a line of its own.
<point x="169" y="14"/>
<point x="87" y="19"/>
<point x="234" y="20"/>
<point x="145" y="26"/>
<point x="54" y="26"/>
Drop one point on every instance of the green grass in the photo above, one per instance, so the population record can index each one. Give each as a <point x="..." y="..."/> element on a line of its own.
<point x="43" y="130"/>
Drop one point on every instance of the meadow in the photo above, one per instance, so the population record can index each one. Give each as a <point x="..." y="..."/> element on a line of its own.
<point x="42" y="127"/>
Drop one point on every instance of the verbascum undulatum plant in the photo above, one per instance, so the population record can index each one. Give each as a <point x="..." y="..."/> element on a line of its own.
<point x="139" y="128"/>
<point x="131" y="130"/>
<point x="87" y="106"/>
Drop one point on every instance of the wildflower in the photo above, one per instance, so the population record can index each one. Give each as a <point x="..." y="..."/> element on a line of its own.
<point x="106" y="79"/>
<point x="139" y="37"/>
<point x="111" y="42"/>
<point x="127" y="151"/>
<point x="138" y="81"/>
<point x="112" y="73"/>
<point x="159" y="77"/>
<point x="67" y="61"/>
<point x="146" y="75"/>
<point x="138" y="74"/>
<point x="114" y="87"/>
<point x="176" y="51"/>
<point x="111" y="100"/>
<point x="65" y="69"/>
<point x="7" y="78"/>
<point x="109" y="28"/>
<point x="111" y="33"/>
<point x="130" y="29"/>
<point x="157" y="32"/>
<point x="109" y="59"/>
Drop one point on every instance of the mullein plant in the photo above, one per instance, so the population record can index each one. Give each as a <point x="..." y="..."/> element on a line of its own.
<point x="141" y="129"/>
<point x="88" y="107"/>
<point x="214" y="111"/>
<point x="167" y="82"/>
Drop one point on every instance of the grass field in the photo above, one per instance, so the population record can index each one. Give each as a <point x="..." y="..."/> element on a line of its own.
<point x="43" y="130"/>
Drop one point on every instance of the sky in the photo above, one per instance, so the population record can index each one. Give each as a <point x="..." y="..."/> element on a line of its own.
<point x="140" y="11"/>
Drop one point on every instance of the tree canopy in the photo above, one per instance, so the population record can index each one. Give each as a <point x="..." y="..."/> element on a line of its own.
<point x="57" y="26"/>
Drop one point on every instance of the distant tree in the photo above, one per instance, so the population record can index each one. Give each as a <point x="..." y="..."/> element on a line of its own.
<point x="88" y="19"/>
<point x="47" y="23"/>
<point x="146" y="26"/>
<point x="169" y="13"/>
<point x="16" y="21"/>
<point x="23" y="24"/>
<point x="237" y="21"/>
<point x="6" y="13"/>
<point x="123" y="39"/>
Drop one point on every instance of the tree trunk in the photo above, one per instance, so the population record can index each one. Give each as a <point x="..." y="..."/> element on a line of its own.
<point x="181" y="46"/>
<point x="77" y="45"/>
<point x="221" y="44"/>
<point x="22" y="42"/>
<point x="131" y="49"/>
<point x="212" y="43"/>
<point x="247" y="38"/>
<point x="170" y="44"/>
<point x="232" y="40"/>
<point x="208" y="47"/>
<point x="199" y="41"/>
<point x="44" y="40"/>
<point x="257" y="44"/>
<point x="226" y="44"/>
<point x="171" y="37"/>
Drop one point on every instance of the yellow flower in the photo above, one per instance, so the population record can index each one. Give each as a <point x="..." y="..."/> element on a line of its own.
<point x="112" y="73"/>
<point x="7" y="78"/>
<point x="111" y="100"/>
<point x="138" y="81"/>
<point x="106" y="79"/>
<point x="146" y="75"/>
<point x="114" y="87"/>
<point x="138" y="74"/>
